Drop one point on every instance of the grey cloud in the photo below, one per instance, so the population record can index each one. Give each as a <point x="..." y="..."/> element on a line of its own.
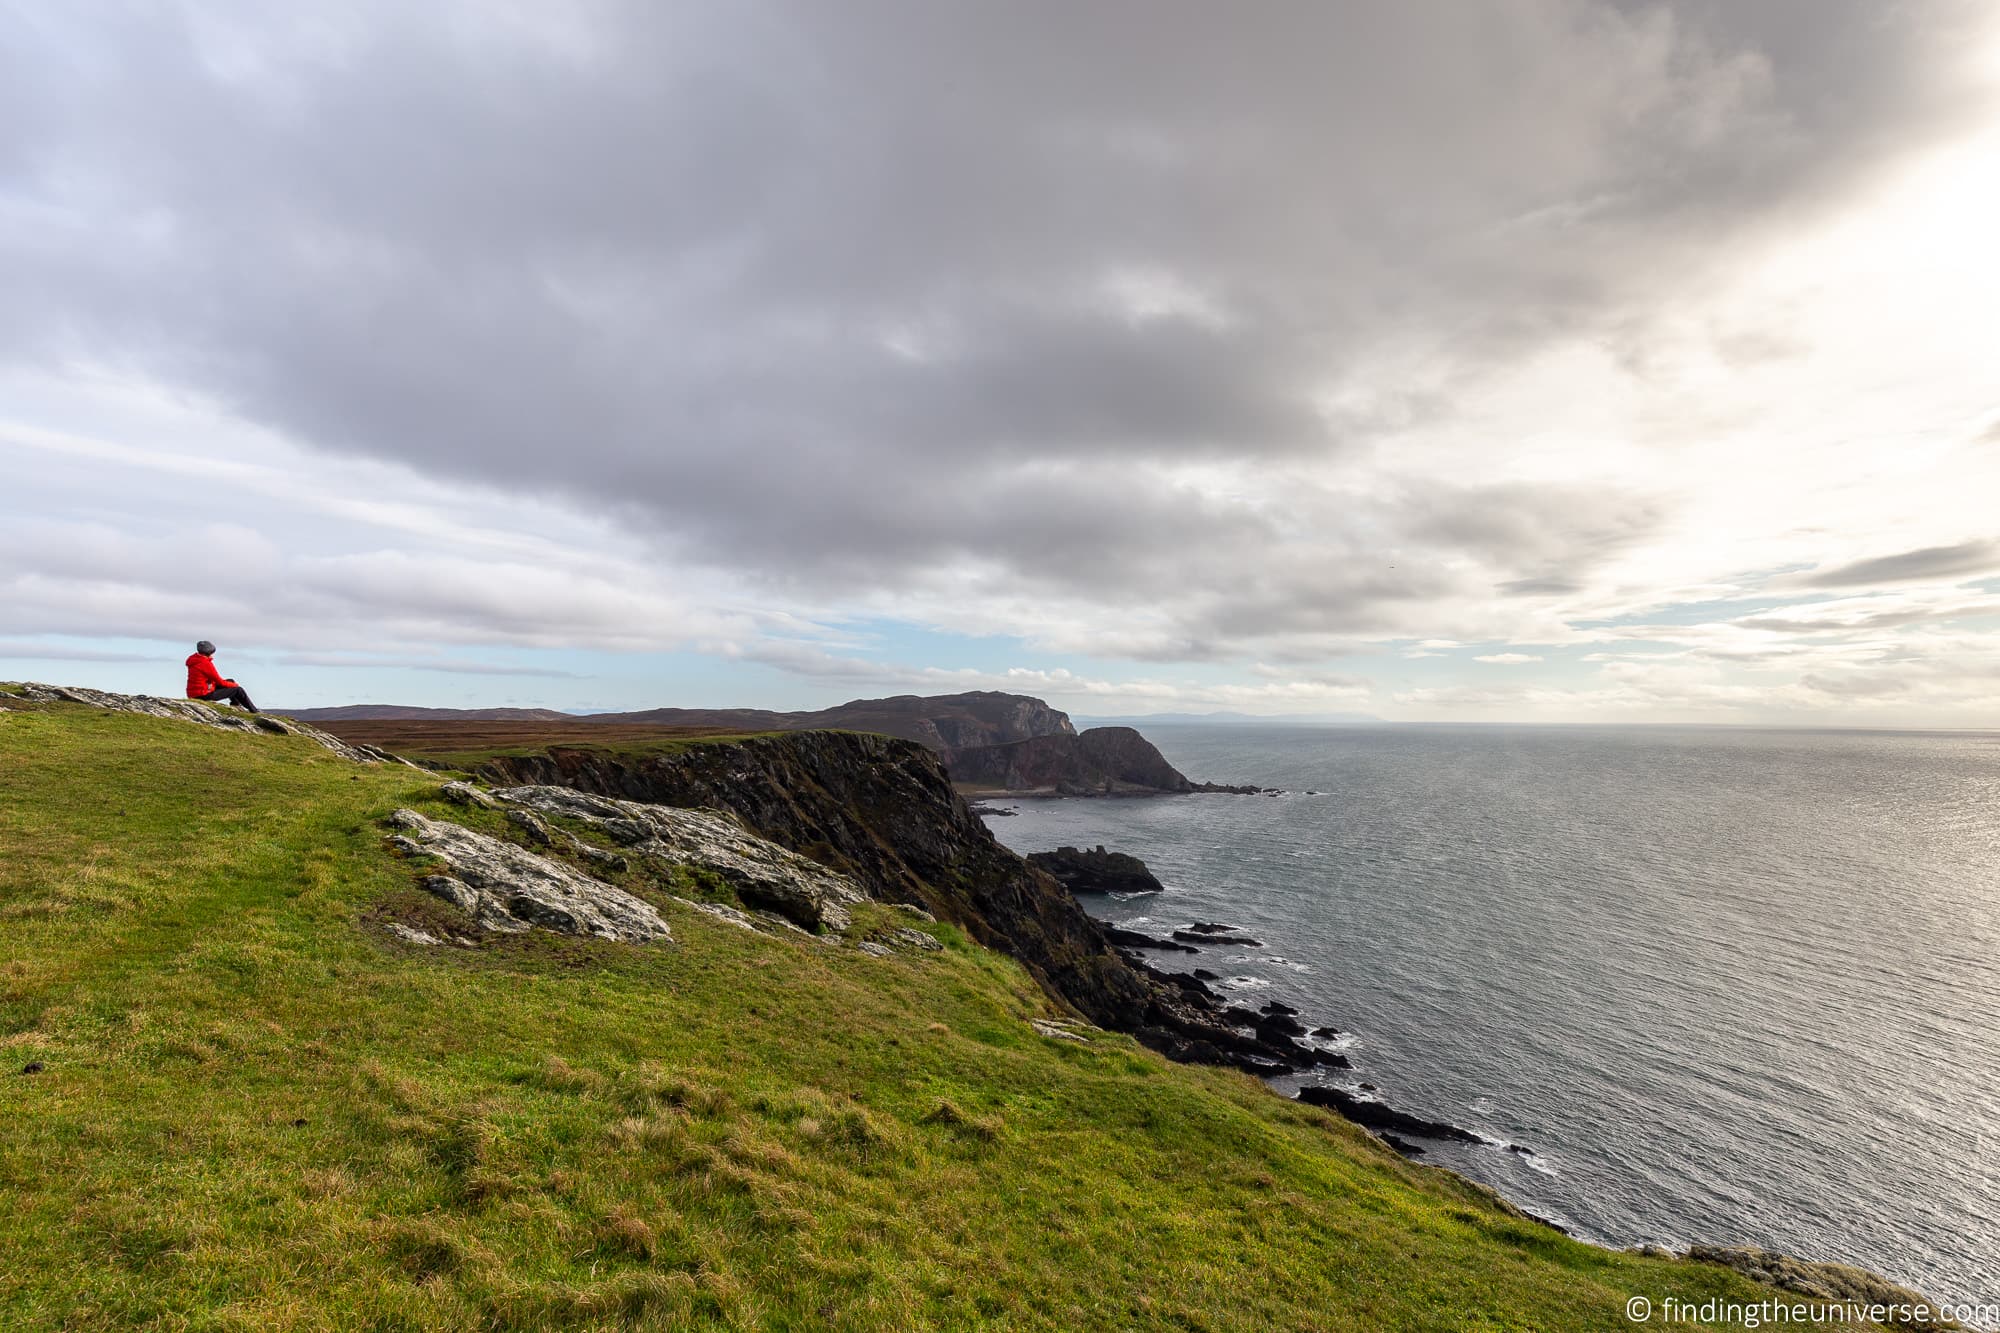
<point x="443" y="667"/>
<point x="1873" y="685"/>
<point x="1547" y="585"/>
<point x="1530" y="523"/>
<point x="44" y="652"/>
<point x="817" y="294"/>
<point x="1890" y="617"/>
<point x="1928" y="564"/>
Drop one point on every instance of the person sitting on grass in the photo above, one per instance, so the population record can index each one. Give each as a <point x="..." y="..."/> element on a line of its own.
<point x="206" y="683"/>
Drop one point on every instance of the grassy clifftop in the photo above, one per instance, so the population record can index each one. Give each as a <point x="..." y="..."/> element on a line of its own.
<point x="256" y="1109"/>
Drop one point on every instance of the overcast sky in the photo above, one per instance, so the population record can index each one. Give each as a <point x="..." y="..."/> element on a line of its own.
<point x="1532" y="360"/>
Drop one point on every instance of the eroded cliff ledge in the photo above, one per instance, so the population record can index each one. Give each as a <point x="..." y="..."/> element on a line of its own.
<point x="883" y="811"/>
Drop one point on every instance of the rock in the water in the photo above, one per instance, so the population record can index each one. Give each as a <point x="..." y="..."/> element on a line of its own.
<point x="1135" y="939"/>
<point x="1270" y="1025"/>
<point x="203" y="714"/>
<point x="762" y="873"/>
<point x="1207" y="938"/>
<point x="1380" y="1116"/>
<point x="1189" y="981"/>
<point x="1095" y="870"/>
<point x="507" y="888"/>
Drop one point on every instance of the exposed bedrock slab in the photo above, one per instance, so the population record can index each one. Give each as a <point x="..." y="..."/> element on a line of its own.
<point x="206" y="715"/>
<point x="508" y="888"/>
<point x="762" y="873"/>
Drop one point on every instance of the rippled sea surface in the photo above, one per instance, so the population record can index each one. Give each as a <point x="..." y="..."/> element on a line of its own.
<point x="1729" y="985"/>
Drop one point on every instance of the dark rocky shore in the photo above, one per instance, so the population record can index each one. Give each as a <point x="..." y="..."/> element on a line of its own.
<point x="1095" y="870"/>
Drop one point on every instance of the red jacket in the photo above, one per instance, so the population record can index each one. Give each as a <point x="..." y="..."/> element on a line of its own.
<point x="203" y="679"/>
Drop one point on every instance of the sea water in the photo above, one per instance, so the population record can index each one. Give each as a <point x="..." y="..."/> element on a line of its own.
<point x="1728" y="985"/>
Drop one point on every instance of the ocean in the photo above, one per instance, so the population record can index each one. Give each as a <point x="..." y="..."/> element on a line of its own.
<point x="1729" y="985"/>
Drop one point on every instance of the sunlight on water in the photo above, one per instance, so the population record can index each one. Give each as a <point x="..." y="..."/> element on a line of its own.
<point x="1728" y="985"/>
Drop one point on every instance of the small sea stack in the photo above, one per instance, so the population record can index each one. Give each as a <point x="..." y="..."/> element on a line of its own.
<point x="1095" y="870"/>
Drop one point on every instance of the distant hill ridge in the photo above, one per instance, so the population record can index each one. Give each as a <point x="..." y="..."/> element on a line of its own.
<point x="989" y="740"/>
<point x="406" y="713"/>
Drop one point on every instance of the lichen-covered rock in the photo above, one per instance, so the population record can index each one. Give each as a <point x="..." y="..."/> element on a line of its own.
<point x="735" y="916"/>
<point x="762" y="873"/>
<point x="759" y="923"/>
<point x="207" y="715"/>
<point x="531" y="824"/>
<point x="508" y="888"/>
<point x="1059" y="1029"/>
<point x="464" y="793"/>
<point x="1826" y="1282"/>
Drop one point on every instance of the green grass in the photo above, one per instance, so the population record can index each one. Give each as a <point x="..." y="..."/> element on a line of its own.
<point x="257" y="1111"/>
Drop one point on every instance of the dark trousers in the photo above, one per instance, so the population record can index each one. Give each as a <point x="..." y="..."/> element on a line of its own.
<point x="231" y="694"/>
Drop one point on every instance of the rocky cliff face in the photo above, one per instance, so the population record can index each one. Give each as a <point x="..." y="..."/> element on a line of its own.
<point x="882" y="811"/>
<point x="939" y="721"/>
<point x="1103" y="760"/>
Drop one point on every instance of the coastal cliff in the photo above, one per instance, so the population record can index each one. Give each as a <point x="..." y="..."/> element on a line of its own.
<point x="883" y="811"/>
<point x="987" y="740"/>
<point x="1103" y="761"/>
<point x="878" y="809"/>
<point x="457" y="1055"/>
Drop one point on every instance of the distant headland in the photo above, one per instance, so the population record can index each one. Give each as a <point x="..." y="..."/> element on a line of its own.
<point x="992" y="743"/>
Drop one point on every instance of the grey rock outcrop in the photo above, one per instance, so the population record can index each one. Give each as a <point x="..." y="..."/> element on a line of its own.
<point x="1825" y="1282"/>
<point x="207" y="715"/>
<point x="508" y="888"/>
<point x="1059" y="1029"/>
<point x="758" y="923"/>
<point x="762" y="873"/>
<point x="464" y="793"/>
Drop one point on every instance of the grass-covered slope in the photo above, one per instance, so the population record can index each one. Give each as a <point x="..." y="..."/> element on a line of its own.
<point x="257" y="1110"/>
